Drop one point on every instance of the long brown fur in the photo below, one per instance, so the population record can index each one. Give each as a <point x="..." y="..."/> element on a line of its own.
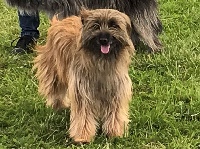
<point x="95" y="86"/>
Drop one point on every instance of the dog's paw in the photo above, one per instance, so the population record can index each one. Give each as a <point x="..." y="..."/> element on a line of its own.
<point x="81" y="142"/>
<point x="58" y="104"/>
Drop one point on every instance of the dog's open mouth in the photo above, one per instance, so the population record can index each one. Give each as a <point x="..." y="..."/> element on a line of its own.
<point x="105" y="49"/>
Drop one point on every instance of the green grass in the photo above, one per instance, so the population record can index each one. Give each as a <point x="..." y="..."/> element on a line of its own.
<point x="164" y="112"/>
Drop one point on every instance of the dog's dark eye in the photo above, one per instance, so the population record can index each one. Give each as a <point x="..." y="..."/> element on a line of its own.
<point x="95" y="25"/>
<point x="113" y="24"/>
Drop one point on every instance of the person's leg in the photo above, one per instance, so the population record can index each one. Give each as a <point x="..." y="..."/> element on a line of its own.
<point x="29" y="24"/>
<point x="29" y="32"/>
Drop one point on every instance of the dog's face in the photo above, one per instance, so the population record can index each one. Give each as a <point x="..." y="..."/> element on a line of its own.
<point x="105" y="31"/>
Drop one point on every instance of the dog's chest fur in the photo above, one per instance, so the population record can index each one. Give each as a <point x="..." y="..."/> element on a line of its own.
<point x="100" y="85"/>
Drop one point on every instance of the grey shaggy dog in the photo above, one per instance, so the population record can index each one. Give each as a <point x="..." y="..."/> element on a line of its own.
<point x="143" y="14"/>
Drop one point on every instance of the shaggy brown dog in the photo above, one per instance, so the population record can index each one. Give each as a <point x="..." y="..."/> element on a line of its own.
<point x="84" y="65"/>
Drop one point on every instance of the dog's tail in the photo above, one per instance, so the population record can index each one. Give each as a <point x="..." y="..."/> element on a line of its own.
<point x="54" y="20"/>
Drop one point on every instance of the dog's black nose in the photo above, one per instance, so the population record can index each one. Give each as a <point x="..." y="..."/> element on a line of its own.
<point x="103" y="41"/>
<point x="104" y="38"/>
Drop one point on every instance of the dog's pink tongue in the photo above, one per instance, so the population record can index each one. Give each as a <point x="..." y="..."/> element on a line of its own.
<point x="105" y="49"/>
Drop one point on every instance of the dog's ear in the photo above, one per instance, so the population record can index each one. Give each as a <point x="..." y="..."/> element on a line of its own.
<point x="128" y="24"/>
<point x="129" y="29"/>
<point x="84" y="13"/>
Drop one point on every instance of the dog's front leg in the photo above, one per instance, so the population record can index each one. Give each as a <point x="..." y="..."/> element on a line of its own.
<point x="82" y="122"/>
<point x="115" y="120"/>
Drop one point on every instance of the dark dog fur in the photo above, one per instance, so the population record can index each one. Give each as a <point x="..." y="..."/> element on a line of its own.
<point x="143" y="14"/>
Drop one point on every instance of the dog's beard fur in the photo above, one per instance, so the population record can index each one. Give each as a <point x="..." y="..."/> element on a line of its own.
<point x="88" y="71"/>
<point x="143" y="13"/>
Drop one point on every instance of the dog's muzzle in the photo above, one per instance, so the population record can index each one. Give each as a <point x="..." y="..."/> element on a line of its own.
<point x="105" y="40"/>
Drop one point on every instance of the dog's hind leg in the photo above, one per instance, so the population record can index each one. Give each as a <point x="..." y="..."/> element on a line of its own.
<point x="58" y="100"/>
<point x="49" y="84"/>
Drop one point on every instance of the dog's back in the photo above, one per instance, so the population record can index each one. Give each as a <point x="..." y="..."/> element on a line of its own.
<point x="68" y="27"/>
<point x="54" y="58"/>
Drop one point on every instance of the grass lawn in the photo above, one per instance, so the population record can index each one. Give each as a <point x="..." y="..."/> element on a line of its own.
<point x="164" y="112"/>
